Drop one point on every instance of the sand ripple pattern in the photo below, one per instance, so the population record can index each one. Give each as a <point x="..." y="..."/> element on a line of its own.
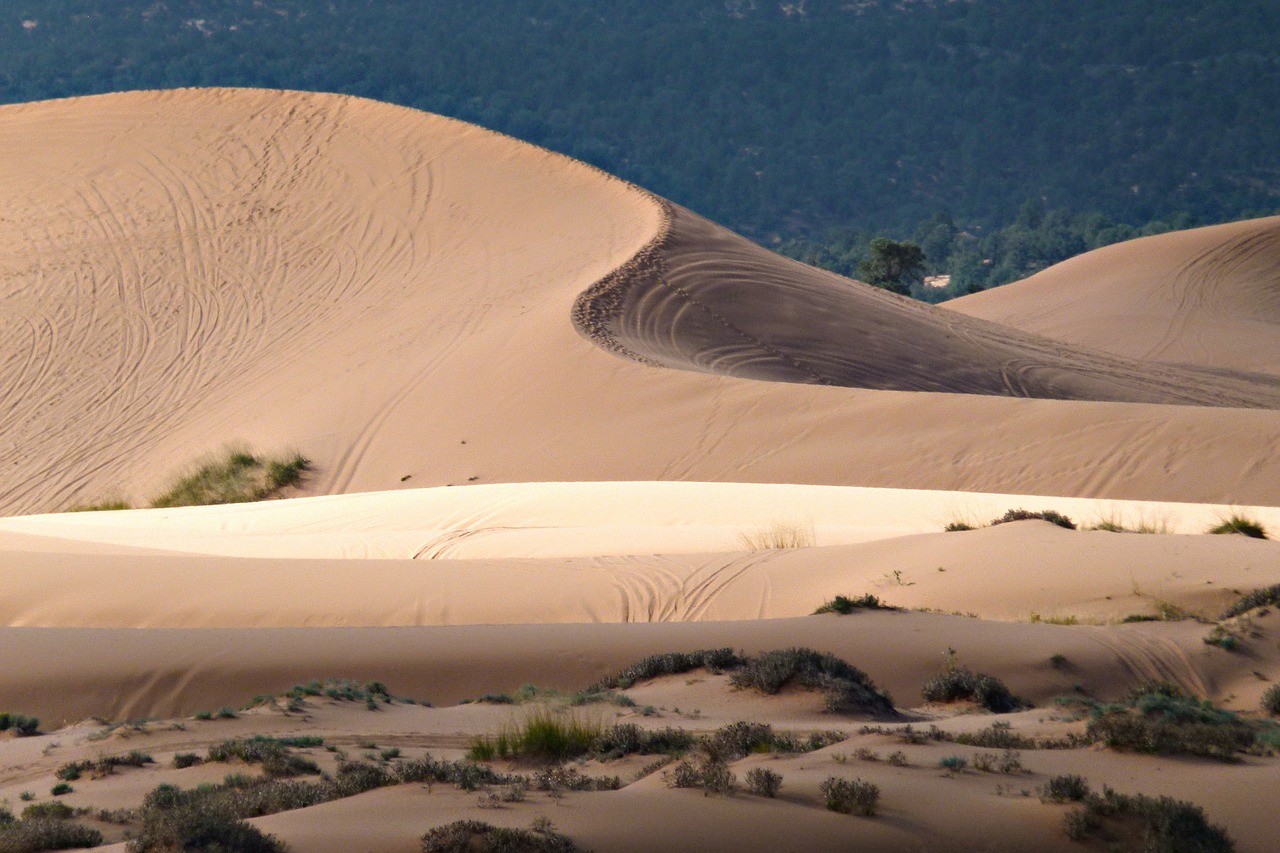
<point x="702" y="298"/>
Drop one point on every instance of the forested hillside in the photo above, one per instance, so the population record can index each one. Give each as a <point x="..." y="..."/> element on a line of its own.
<point x="778" y="119"/>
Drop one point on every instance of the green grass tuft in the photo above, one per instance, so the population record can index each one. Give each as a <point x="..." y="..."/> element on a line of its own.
<point x="1241" y="525"/>
<point x="240" y="477"/>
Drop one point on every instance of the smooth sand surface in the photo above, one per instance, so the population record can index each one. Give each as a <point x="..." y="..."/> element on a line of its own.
<point x="544" y="408"/>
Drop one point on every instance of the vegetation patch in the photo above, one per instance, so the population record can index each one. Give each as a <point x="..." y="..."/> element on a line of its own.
<point x="844" y="606"/>
<point x="38" y="832"/>
<point x="764" y="782"/>
<point x="845" y="688"/>
<point x="274" y="754"/>
<point x="473" y="836"/>
<point x="1157" y="825"/>
<point x="543" y="735"/>
<point x="1049" y="515"/>
<point x="19" y="724"/>
<point x="1266" y="597"/>
<point x="104" y="765"/>
<point x="1162" y="720"/>
<point x="1271" y="700"/>
<point x="956" y="683"/>
<point x="778" y="536"/>
<point x="239" y="477"/>
<point x="1240" y="524"/>
<point x="670" y="663"/>
<point x="850" y="796"/>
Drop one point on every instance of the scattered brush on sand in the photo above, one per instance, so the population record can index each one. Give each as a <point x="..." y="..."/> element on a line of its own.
<point x="238" y="477"/>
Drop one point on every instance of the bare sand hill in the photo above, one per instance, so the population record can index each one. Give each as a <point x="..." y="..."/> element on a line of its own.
<point x="625" y="390"/>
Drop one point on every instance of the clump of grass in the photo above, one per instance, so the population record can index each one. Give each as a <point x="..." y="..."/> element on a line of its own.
<point x="777" y="536"/>
<point x="467" y="835"/>
<point x="239" y="477"/>
<point x="953" y="763"/>
<point x="999" y="735"/>
<point x="60" y="789"/>
<point x="957" y="527"/>
<point x="109" y="505"/>
<point x="186" y="759"/>
<point x="273" y="754"/>
<point x="1049" y="515"/>
<point x="1162" y="720"/>
<point x="20" y="724"/>
<point x="1266" y="597"/>
<point x="1159" y="825"/>
<point x="1271" y="700"/>
<point x="846" y="689"/>
<point x="48" y="811"/>
<point x="764" y="782"/>
<point x="1242" y="525"/>
<point x="1222" y="638"/>
<point x="956" y="683"/>
<point x="543" y="735"/>
<point x="104" y="765"/>
<point x="844" y="606"/>
<point x="850" y="796"/>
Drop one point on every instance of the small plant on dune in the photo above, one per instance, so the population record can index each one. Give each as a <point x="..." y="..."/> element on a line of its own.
<point x="186" y="759"/>
<point x="464" y="836"/>
<point x="957" y="527"/>
<point x="670" y="663"/>
<point x="850" y="796"/>
<point x="764" y="782"/>
<point x="844" y="606"/>
<point x="1063" y="789"/>
<point x="109" y="505"/>
<point x="239" y="477"/>
<point x="777" y="536"/>
<point x="1271" y="700"/>
<point x="1049" y="515"/>
<point x="957" y="683"/>
<point x="20" y="724"/>
<point x="953" y="763"/>
<point x="1266" y="597"/>
<point x="846" y="689"/>
<point x="60" y="789"/>
<point x="1242" y="525"/>
<point x="542" y="734"/>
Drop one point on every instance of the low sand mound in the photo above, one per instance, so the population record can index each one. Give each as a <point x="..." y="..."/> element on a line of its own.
<point x="1209" y="297"/>
<point x="391" y="292"/>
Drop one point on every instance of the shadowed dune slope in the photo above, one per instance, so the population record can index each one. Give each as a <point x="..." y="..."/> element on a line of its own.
<point x="1209" y="296"/>
<point x="705" y="299"/>
<point x="391" y="293"/>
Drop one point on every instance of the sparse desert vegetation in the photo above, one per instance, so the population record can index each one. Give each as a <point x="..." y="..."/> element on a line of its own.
<point x="959" y="683"/>
<point x="844" y="605"/>
<point x="777" y="536"/>
<point x="1241" y="525"/>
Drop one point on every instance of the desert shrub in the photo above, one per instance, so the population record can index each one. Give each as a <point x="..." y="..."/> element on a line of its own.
<point x="238" y="477"/>
<point x="717" y="778"/>
<point x="1222" y="638"/>
<point x="273" y="754"/>
<point x="1271" y="700"/>
<point x="1048" y="515"/>
<point x="1161" y="825"/>
<point x="186" y="759"/>
<point x="850" y="796"/>
<point x="37" y="834"/>
<point x="957" y="526"/>
<point x="1270" y="596"/>
<point x="61" y="789"/>
<point x="1241" y="525"/>
<point x="629" y="739"/>
<point x="670" y="663"/>
<point x="1008" y="762"/>
<point x="846" y="689"/>
<point x="1161" y="719"/>
<point x="999" y="735"/>
<point x="173" y="823"/>
<point x="48" y="811"/>
<point x="844" y="606"/>
<point x="958" y="682"/>
<point x="20" y="724"/>
<point x="764" y="782"/>
<point x="777" y="536"/>
<point x="473" y="836"/>
<point x="543" y="735"/>
<point x="1066" y="788"/>
<point x="953" y="763"/>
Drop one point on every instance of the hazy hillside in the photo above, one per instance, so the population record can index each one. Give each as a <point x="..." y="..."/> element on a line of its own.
<point x="775" y="118"/>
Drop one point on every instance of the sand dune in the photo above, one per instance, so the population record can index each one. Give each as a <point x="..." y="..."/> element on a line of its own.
<point x="1209" y="297"/>
<point x="618" y="391"/>
<point x="389" y="292"/>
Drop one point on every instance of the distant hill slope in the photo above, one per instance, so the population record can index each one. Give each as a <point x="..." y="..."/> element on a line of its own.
<point x="770" y="117"/>
<point x="1209" y="296"/>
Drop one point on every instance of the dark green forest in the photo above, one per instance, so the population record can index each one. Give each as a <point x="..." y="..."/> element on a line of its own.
<point x="811" y="122"/>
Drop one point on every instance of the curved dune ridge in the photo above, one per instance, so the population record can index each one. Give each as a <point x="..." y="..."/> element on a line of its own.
<point x="390" y="292"/>
<point x="554" y="421"/>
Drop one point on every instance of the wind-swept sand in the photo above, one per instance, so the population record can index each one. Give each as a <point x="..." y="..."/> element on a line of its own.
<point x="544" y="408"/>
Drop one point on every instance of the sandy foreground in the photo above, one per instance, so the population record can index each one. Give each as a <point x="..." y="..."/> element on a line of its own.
<point x="551" y="416"/>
